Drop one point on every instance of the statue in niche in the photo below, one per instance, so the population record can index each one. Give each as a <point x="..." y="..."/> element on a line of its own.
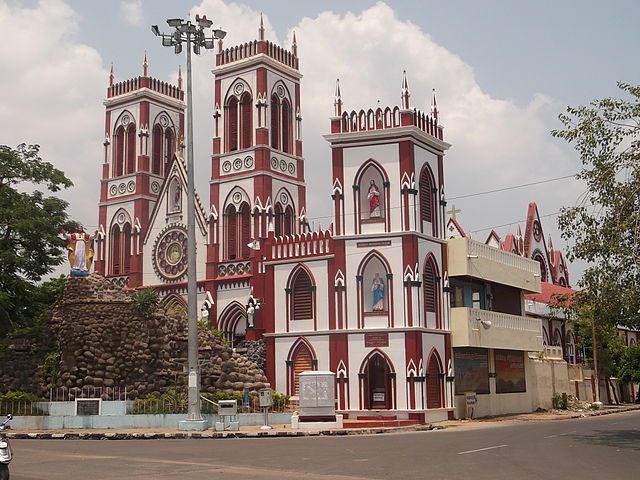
<point x="373" y="195"/>
<point x="377" y="288"/>
<point x="79" y="247"/>
<point x="177" y="199"/>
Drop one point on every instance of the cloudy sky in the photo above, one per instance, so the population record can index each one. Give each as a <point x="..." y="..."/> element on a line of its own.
<point x="502" y="70"/>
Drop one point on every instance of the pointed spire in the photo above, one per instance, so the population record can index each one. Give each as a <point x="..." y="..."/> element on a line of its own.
<point x="405" y="91"/>
<point x="261" y="29"/>
<point x="338" y="101"/>
<point x="434" y="107"/>
<point x="180" y="77"/>
<point x="111" y="76"/>
<point x="294" y="45"/>
<point x="145" y="66"/>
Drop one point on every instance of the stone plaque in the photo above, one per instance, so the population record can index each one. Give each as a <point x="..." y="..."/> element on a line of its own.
<point x="87" y="406"/>
<point x="376" y="339"/>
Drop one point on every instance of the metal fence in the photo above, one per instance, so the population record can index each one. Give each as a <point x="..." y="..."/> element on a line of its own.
<point x="64" y="394"/>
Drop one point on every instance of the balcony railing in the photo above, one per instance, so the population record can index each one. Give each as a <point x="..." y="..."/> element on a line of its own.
<point x="472" y="327"/>
<point x="470" y="258"/>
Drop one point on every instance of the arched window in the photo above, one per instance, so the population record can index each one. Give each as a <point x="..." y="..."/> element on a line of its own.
<point x="434" y="382"/>
<point x="246" y="109"/>
<point x="126" y="248"/>
<point x="428" y="201"/>
<point x="430" y="287"/>
<point x="277" y="220"/>
<point x="231" y="232"/>
<point x="375" y="288"/>
<point x="275" y="121"/>
<point x="118" y="163"/>
<point x="537" y="256"/>
<point x="372" y="198"/>
<point x="116" y="250"/>
<point x="301" y="295"/>
<point x="169" y="146"/>
<point x="232" y="124"/>
<point x="131" y="148"/>
<point x="301" y="361"/>
<point x="286" y="126"/>
<point x="245" y="230"/>
<point x="288" y="221"/>
<point x="157" y="153"/>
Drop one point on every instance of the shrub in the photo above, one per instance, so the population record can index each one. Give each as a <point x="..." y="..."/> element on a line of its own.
<point x="146" y="301"/>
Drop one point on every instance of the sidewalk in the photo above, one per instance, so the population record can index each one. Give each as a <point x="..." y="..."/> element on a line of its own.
<point x="287" y="431"/>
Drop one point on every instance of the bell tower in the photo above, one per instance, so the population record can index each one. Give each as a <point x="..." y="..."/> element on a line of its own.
<point x="257" y="169"/>
<point x="144" y="124"/>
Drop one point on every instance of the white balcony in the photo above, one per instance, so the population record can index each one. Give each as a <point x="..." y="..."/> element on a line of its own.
<point x="471" y="327"/>
<point x="477" y="260"/>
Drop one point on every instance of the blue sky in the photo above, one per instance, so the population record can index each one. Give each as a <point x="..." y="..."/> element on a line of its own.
<point x="503" y="71"/>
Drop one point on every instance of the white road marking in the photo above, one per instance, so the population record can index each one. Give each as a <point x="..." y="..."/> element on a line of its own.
<point x="482" y="449"/>
<point x="560" y="434"/>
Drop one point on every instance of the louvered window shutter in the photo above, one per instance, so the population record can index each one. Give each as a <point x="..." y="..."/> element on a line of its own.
<point x="302" y="297"/>
<point x="232" y="234"/>
<point x="245" y="218"/>
<point x="247" y="125"/>
<point x="232" y="115"/>
<point x="429" y="283"/>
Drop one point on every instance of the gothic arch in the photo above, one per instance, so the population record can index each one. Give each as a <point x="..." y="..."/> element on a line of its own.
<point x="163" y="135"/>
<point x="175" y="302"/>
<point x="237" y="224"/>
<point x="428" y="192"/>
<point x="120" y="242"/>
<point x="302" y="357"/>
<point x="284" y="213"/>
<point x="174" y="195"/>
<point x="233" y="321"/>
<point x="374" y="274"/>
<point x="435" y="380"/>
<point x="377" y="381"/>
<point x="301" y="293"/>
<point x="371" y="184"/>
<point x="431" y="290"/>
<point x="281" y="117"/>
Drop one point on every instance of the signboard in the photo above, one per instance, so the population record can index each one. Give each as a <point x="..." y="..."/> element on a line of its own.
<point x="471" y="399"/>
<point x="88" y="406"/>
<point x="266" y="399"/>
<point x="227" y="407"/>
<point x="471" y="370"/>
<point x="378" y="397"/>
<point x="510" y="374"/>
<point x="384" y="243"/>
<point x="376" y="339"/>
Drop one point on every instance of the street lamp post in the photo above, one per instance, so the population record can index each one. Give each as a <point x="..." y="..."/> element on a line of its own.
<point x="194" y="35"/>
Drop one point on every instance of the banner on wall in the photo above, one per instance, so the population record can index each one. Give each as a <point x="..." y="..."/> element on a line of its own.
<point x="510" y="375"/>
<point x="471" y="370"/>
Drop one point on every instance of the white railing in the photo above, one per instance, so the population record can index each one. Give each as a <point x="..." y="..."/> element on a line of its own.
<point x="503" y="320"/>
<point x="482" y="250"/>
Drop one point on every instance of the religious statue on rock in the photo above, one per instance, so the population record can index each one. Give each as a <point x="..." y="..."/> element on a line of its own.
<point x="377" y="288"/>
<point x="79" y="247"/>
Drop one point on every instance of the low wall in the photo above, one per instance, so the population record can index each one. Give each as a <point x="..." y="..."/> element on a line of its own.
<point x="64" y="422"/>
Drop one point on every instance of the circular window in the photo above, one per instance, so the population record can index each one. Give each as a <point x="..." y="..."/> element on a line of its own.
<point x="170" y="254"/>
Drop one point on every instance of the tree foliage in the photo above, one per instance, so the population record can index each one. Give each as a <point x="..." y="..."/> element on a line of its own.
<point x="30" y="221"/>
<point x="604" y="225"/>
<point x="629" y="370"/>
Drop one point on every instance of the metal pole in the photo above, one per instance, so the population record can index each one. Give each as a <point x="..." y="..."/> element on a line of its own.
<point x="193" y="412"/>
<point x="595" y="360"/>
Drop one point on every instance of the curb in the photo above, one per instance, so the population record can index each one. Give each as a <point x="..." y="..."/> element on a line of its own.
<point x="261" y="434"/>
<point x="213" y="435"/>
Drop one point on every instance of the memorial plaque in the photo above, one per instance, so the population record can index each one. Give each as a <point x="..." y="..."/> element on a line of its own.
<point x="378" y="397"/>
<point x="377" y="339"/>
<point x="385" y="243"/>
<point x="88" y="406"/>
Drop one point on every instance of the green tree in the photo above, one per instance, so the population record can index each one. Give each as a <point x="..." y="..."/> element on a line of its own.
<point x="30" y="222"/>
<point x="629" y="370"/>
<point x="604" y="226"/>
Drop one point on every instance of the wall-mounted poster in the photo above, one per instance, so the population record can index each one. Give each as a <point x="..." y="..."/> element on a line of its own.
<point x="472" y="370"/>
<point x="510" y="377"/>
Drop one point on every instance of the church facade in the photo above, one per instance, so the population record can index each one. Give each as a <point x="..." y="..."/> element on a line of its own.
<point x="364" y="299"/>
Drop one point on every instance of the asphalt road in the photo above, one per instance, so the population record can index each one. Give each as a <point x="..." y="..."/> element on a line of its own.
<point x="588" y="448"/>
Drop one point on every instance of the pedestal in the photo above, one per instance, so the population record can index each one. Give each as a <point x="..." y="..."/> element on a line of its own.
<point x="193" y="425"/>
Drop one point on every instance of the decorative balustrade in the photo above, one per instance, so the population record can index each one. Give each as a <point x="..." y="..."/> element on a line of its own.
<point x="232" y="269"/>
<point x="482" y="250"/>
<point x="380" y="119"/>
<point x="303" y="245"/>
<point x="250" y="49"/>
<point x="504" y="320"/>
<point x="120" y="281"/>
<point x="138" y="83"/>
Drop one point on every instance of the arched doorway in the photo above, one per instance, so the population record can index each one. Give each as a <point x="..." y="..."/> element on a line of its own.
<point x="434" y="383"/>
<point x="378" y="383"/>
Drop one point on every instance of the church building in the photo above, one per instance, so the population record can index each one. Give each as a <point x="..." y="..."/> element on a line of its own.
<point x="365" y="299"/>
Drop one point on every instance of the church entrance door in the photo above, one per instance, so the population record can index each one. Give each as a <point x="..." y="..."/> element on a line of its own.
<point x="379" y="383"/>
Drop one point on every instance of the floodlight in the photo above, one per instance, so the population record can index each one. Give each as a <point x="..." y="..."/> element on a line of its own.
<point x="166" y="41"/>
<point x="219" y="34"/>
<point x="203" y="21"/>
<point x="196" y="49"/>
<point x="155" y="30"/>
<point x="208" y="43"/>
<point x="174" y="22"/>
<point x="178" y="48"/>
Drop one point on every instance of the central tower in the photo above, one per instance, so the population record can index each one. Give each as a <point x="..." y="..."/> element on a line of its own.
<point x="257" y="168"/>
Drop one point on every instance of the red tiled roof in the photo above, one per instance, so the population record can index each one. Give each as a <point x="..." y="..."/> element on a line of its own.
<point x="547" y="293"/>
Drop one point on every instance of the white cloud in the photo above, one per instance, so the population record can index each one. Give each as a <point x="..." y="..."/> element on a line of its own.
<point x="131" y="11"/>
